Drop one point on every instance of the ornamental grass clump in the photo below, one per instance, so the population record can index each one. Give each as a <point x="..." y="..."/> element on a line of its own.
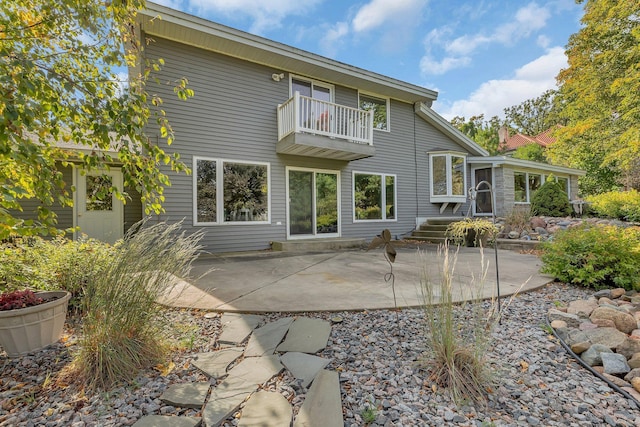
<point x="458" y="336"/>
<point x="122" y="332"/>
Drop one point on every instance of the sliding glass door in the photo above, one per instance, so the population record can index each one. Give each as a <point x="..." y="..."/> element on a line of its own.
<point x="313" y="209"/>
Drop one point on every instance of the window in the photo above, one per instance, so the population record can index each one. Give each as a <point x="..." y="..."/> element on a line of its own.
<point x="526" y="184"/>
<point x="448" y="173"/>
<point x="520" y="186"/>
<point x="374" y="196"/>
<point x="380" y="108"/>
<point x="535" y="181"/>
<point x="564" y="183"/>
<point x="230" y="192"/>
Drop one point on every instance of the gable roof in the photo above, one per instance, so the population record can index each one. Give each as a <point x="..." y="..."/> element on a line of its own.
<point x="440" y="123"/>
<point x="192" y="30"/>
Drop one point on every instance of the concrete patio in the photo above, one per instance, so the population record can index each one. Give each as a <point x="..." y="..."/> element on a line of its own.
<point x="346" y="280"/>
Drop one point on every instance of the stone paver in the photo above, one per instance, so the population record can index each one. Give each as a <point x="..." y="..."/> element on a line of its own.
<point x="322" y="406"/>
<point x="265" y="339"/>
<point x="224" y="400"/>
<point x="187" y="395"/>
<point x="303" y="366"/>
<point x="306" y="335"/>
<point x="256" y="370"/>
<point x="166" y="421"/>
<point x="237" y="327"/>
<point x="243" y="380"/>
<point x="266" y="409"/>
<point x="215" y="363"/>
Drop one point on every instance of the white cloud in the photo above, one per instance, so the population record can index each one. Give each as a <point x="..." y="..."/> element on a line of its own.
<point x="332" y="38"/>
<point x="543" y="41"/>
<point x="493" y="96"/>
<point x="458" y="51"/>
<point x="265" y="14"/>
<point x="527" y="20"/>
<point x="429" y="65"/>
<point x="378" y="12"/>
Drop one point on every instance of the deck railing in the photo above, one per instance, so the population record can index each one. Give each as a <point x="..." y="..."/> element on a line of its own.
<point x="309" y="115"/>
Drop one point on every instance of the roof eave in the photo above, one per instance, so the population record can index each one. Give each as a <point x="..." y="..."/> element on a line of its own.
<point x="192" y="30"/>
<point x="440" y="123"/>
<point x="529" y="164"/>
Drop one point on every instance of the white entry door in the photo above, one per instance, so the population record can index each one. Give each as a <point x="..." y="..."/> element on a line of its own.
<point x="100" y="214"/>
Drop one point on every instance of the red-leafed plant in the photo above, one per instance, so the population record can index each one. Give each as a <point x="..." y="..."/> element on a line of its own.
<point x="19" y="299"/>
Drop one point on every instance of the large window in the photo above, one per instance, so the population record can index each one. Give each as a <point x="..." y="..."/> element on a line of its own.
<point x="448" y="173"/>
<point x="230" y="191"/>
<point x="525" y="185"/>
<point x="374" y="196"/>
<point x="380" y="108"/>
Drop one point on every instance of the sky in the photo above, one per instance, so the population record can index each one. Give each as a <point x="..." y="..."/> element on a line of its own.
<point x="481" y="56"/>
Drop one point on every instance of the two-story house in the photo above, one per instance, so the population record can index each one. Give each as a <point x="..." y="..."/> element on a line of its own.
<point x="285" y="144"/>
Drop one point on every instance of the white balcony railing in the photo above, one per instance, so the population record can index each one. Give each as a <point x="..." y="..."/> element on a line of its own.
<point x="309" y="115"/>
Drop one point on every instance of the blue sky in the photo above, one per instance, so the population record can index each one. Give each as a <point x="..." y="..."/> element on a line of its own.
<point x="480" y="55"/>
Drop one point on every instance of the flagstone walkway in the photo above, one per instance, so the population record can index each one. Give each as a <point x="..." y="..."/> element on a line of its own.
<point x="238" y="372"/>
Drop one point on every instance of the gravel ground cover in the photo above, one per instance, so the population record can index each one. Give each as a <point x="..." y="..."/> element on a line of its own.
<point x="376" y="353"/>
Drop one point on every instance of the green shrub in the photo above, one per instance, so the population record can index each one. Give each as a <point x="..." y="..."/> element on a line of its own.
<point x="58" y="264"/>
<point x="594" y="256"/>
<point x="122" y="331"/>
<point x="623" y="205"/>
<point x="550" y="200"/>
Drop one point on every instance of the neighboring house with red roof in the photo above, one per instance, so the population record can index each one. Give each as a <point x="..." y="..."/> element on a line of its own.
<point x="510" y="143"/>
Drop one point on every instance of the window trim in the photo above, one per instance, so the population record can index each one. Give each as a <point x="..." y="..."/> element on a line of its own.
<point x="315" y="235"/>
<point x="220" y="191"/>
<point x="388" y="105"/>
<point x="383" y="196"/>
<point x="332" y="88"/>
<point x="448" y="198"/>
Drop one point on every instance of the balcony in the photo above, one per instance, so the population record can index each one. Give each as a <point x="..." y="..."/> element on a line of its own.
<point x="314" y="128"/>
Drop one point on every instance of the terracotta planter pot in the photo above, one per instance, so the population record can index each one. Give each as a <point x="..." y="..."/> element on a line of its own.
<point x="25" y="330"/>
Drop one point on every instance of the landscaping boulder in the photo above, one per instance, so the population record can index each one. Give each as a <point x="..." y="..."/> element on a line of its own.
<point x="580" y="347"/>
<point x="614" y="364"/>
<point x="592" y="356"/>
<point x="634" y="373"/>
<point x="624" y="322"/>
<point x="603" y="323"/>
<point x="572" y="320"/>
<point x="609" y="337"/>
<point x="582" y="307"/>
<point x="629" y="347"/>
<point x="634" y="362"/>
<point x="602" y="293"/>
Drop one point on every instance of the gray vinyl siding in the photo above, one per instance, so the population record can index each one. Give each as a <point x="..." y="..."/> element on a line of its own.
<point x="132" y="209"/>
<point x="65" y="214"/>
<point x="233" y="117"/>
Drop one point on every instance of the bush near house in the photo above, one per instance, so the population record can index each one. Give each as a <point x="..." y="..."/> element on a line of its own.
<point x="595" y="256"/>
<point x="550" y="200"/>
<point x="623" y="205"/>
<point x="48" y="265"/>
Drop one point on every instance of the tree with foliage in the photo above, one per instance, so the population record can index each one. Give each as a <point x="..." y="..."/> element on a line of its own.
<point x="536" y="115"/>
<point x="600" y="92"/>
<point x="483" y="132"/>
<point x="62" y="103"/>
<point x="533" y="152"/>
